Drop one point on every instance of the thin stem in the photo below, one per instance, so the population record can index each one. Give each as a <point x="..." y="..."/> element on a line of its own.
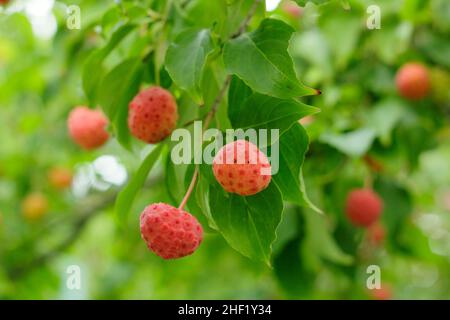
<point x="247" y="19"/>
<point x="208" y="119"/>
<point x="160" y="39"/>
<point x="217" y="102"/>
<point x="190" y="189"/>
<point x="368" y="181"/>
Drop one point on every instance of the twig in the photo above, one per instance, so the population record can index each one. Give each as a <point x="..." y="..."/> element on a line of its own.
<point x="190" y="189"/>
<point x="247" y="19"/>
<point x="368" y="181"/>
<point x="217" y="102"/>
<point x="79" y="224"/>
<point x="208" y="119"/>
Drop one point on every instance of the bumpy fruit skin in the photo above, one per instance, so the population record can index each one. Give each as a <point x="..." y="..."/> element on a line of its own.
<point x="169" y="232"/>
<point x="413" y="81"/>
<point x="87" y="127"/>
<point x="152" y="115"/>
<point x="34" y="206"/>
<point x="376" y="234"/>
<point x="241" y="168"/>
<point x="363" y="207"/>
<point x="60" y="178"/>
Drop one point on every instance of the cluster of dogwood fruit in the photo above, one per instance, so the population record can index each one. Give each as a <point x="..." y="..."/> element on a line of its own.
<point x="171" y="232"/>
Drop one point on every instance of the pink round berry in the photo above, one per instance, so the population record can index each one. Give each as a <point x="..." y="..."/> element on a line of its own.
<point x="87" y="127"/>
<point x="241" y="168"/>
<point x="170" y="232"/>
<point x="152" y="115"/>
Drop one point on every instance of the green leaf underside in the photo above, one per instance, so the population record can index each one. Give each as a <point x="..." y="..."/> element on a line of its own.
<point x="128" y="194"/>
<point x="262" y="61"/>
<point x="248" y="223"/>
<point x="354" y="144"/>
<point x="93" y="70"/>
<point x="320" y="242"/>
<point x="257" y="111"/>
<point x="201" y="197"/>
<point x="186" y="58"/>
<point x="304" y="2"/>
<point x="293" y="146"/>
<point x="117" y="89"/>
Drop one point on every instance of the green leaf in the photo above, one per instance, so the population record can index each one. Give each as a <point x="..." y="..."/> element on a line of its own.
<point x="201" y="197"/>
<point x="293" y="146"/>
<point x="117" y="89"/>
<point x="342" y="43"/>
<point x="128" y="194"/>
<point x="238" y="93"/>
<point x="303" y="2"/>
<point x="262" y="61"/>
<point x="198" y="202"/>
<point x="391" y="41"/>
<point x="186" y="58"/>
<point x="116" y="84"/>
<point x="289" y="266"/>
<point x="165" y="80"/>
<point x="354" y="144"/>
<point x="435" y="46"/>
<point x="384" y="116"/>
<point x="248" y="223"/>
<point x="93" y="69"/>
<point x="174" y="180"/>
<point x="319" y="243"/>
<point x="223" y="17"/>
<point x="257" y="111"/>
<point x="398" y="207"/>
<point x="213" y="79"/>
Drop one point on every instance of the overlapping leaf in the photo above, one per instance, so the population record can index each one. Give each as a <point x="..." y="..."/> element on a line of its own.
<point x="262" y="61"/>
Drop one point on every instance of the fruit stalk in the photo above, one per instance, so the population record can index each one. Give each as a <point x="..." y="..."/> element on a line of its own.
<point x="217" y="102"/>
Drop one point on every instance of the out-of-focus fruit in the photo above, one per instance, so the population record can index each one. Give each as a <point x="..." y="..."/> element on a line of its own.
<point x="170" y="232"/>
<point x="60" y="178"/>
<point x="34" y="206"/>
<point x="363" y="207"/>
<point x="292" y="9"/>
<point x="88" y="127"/>
<point x="384" y="293"/>
<point x="376" y="234"/>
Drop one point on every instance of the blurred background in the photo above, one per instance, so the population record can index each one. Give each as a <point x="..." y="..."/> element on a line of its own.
<point x="56" y="201"/>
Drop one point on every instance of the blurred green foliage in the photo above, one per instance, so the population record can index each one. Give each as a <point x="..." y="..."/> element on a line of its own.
<point x="363" y="122"/>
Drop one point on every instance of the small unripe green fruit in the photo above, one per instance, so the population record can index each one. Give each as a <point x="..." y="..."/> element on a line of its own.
<point x="440" y="86"/>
